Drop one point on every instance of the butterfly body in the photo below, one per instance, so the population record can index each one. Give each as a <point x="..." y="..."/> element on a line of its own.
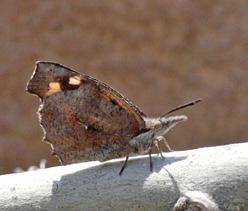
<point x="84" y="119"/>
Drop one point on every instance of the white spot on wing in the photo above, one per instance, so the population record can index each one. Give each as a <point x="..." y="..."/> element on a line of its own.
<point x="75" y="80"/>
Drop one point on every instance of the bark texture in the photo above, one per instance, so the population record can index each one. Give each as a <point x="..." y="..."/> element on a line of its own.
<point x="213" y="178"/>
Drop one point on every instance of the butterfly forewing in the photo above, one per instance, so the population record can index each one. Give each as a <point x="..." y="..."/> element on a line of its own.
<point x="83" y="118"/>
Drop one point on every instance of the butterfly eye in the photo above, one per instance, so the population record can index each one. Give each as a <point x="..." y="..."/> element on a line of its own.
<point x="158" y="125"/>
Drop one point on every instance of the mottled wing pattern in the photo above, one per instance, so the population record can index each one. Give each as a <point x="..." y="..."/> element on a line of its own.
<point x="83" y="118"/>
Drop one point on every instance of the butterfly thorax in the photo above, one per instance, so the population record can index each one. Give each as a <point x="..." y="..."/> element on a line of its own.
<point x="156" y="127"/>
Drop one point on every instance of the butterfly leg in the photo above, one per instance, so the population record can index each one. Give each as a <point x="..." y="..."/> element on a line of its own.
<point x="150" y="155"/>
<point x="157" y="145"/>
<point x="162" y="138"/>
<point x="124" y="165"/>
<point x="150" y="158"/>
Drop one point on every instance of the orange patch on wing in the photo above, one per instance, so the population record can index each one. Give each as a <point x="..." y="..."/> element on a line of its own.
<point x="53" y="88"/>
<point x="113" y="98"/>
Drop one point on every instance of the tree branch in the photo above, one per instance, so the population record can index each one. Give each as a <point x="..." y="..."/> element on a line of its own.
<point x="203" y="177"/>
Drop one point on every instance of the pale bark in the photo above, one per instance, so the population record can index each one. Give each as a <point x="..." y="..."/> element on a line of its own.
<point x="205" y="176"/>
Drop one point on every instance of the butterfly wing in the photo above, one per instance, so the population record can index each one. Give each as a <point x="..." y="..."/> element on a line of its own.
<point x="83" y="118"/>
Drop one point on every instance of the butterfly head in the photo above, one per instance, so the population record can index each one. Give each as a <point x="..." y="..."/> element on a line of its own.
<point x="49" y="78"/>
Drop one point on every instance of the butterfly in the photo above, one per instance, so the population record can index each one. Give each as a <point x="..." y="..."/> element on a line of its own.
<point x="84" y="119"/>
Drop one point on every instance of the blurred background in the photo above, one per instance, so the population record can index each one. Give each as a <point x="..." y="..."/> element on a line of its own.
<point x="158" y="53"/>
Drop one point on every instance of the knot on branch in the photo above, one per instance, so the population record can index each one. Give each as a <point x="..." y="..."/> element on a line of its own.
<point x="195" y="201"/>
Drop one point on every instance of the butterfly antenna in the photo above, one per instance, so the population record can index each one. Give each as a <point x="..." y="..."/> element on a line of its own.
<point x="191" y="103"/>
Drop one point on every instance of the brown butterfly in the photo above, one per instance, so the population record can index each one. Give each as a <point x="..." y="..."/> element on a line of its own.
<point x="85" y="119"/>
